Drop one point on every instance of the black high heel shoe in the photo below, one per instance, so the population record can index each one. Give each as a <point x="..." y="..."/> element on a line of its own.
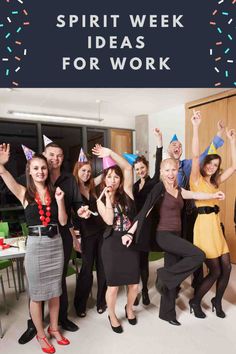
<point x="117" y="329"/>
<point x="132" y="321"/>
<point x="218" y="307"/>
<point x="196" y="309"/>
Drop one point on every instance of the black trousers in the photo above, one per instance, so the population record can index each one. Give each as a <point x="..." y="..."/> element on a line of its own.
<point x="181" y="259"/>
<point x="91" y="254"/>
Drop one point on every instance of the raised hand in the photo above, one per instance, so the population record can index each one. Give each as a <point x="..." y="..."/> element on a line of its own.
<point x="231" y="134"/>
<point x="157" y="132"/>
<point x="59" y="194"/>
<point x="101" y="151"/>
<point x="4" y="153"/>
<point x="196" y="118"/>
<point x="220" y="128"/>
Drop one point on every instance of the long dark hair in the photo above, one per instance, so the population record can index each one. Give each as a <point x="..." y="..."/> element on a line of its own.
<point x="90" y="181"/>
<point x="120" y="197"/>
<point x="30" y="186"/>
<point x="214" y="178"/>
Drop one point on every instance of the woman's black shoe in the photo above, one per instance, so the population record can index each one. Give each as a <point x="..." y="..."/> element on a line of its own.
<point x="132" y="321"/>
<point x="218" y="307"/>
<point x="175" y="322"/>
<point x="145" y="297"/>
<point x="117" y="329"/>
<point x="196" y="309"/>
<point x="101" y="309"/>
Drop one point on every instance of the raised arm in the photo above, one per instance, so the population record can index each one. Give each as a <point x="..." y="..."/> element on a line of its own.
<point x="195" y="172"/>
<point x="126" y="168"/>
<point x="231" y="135"/>
<point x="201" y="195"/>
<point x="62" y="215"/>
<point x="17" y="189"/>
<point x="158" y="135"/>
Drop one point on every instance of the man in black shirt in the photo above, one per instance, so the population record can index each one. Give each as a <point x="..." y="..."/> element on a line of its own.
<point x="67" y="183"/>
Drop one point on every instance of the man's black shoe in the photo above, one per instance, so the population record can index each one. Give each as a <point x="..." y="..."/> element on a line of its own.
<point x="69" y="325"/>
<point x="29" y="334"/>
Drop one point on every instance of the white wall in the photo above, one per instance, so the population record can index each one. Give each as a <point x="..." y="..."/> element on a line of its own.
<point x="170" y="121"/>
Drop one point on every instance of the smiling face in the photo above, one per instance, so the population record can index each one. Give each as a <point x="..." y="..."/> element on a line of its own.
<point x="141" y="169"/>
<point x="38" y="170"/>
<point x="175" y="150"/>
<point x="84" y="173"/>
<point x="211" y="167"/>
<point x="169" y="171"/>
<point x="54" y="156"/>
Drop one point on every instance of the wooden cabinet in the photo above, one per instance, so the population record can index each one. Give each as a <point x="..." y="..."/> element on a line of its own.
<point x="214" y="108"/>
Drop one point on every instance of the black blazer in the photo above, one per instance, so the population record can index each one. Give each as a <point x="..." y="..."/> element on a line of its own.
<point x="143" y="240"/>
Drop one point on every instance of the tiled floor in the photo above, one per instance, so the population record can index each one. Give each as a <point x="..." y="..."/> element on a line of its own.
<point x="151" y="335"/>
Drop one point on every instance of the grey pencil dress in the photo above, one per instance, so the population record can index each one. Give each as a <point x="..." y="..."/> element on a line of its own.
<point x="44" y="258"/>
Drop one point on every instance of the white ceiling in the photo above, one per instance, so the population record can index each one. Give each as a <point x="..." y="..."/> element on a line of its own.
<point x="124" y="103"/>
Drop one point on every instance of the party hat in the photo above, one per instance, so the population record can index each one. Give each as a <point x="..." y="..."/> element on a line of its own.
<point x="130" y="158"/>
<point x="212" y="149"/>
<point x="174" y="138"/>
<point x="107" y="162"/>
<point x="82" y="157"/>
<point x="28" y="152"/>
<point x="46" y="140"/>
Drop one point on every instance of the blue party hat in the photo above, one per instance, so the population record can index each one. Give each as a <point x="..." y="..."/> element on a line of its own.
<point x="130" y="158"/>
<point x="174" y="138"/>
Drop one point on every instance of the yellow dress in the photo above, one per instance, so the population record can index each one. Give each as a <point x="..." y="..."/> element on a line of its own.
<point x="208" y="235"/>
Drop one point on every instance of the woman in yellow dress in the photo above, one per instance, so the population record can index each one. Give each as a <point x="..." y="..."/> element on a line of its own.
<point x="208" y="234"/>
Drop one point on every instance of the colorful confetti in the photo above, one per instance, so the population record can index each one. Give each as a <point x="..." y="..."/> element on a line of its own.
<point x="224" y="35"/>
<point x="14" y="20"/>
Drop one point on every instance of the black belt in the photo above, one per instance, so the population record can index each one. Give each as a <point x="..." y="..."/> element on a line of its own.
<point x="208" y="210"/>
<point x="50" y="230"/>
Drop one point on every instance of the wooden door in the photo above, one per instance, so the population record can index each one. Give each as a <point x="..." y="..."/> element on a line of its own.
<point x="231" y="185"/>
<point x="121" y="141"/>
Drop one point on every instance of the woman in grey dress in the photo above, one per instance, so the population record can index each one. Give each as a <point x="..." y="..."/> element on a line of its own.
<point x="44" y="208"/>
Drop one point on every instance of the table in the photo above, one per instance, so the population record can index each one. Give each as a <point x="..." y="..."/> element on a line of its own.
<point x="15" y="253"/>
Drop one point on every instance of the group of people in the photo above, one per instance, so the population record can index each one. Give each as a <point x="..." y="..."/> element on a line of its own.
<point x="119" y="223"/>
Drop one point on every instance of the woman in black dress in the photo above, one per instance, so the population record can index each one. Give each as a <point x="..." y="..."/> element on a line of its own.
<point x="121" y="263"/>
<point x="44" y="208"/>
<point x="141" y="189"/>
<point x="91" y="231"/>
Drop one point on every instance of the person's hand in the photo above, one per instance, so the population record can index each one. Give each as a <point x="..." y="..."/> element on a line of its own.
<point x="219" y="195"/>
<point x="101" y="151"/>
<point x="127" y="240"/>
<point x="59" y="194"/>
<point x="231" y="134"/>
<point x="108" y="191"/>
<point x="157" y="132"/>
<point x="84" y="212"/>
<point x="77" y="244"/>
<point x="4" y="153"/>
<point x="196" y="118"/>
<point x="220" y="128"/>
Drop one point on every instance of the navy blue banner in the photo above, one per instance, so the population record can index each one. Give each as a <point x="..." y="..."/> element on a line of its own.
<point x="152" y="43"/>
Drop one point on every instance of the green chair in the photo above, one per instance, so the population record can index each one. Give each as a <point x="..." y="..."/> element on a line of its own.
<point x="74" y="267"/>
<point x="4" y="227"/>
<point x="154" y="256"/>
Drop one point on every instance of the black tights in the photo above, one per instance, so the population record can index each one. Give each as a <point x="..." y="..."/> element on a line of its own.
<point x="219" y="272"/>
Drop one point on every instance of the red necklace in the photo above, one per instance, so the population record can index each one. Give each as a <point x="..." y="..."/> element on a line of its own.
<point x="45" y="220"/>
